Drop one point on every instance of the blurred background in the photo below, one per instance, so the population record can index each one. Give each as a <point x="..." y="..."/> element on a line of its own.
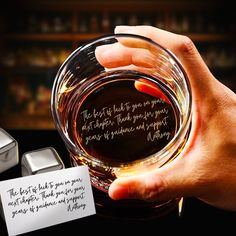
<point x="37" y="36"/>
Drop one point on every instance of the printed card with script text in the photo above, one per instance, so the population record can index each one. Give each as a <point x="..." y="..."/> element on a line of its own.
<point x="47" y="199"/>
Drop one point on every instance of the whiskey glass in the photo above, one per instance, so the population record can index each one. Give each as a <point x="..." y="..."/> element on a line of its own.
<point x="122" y="105"/>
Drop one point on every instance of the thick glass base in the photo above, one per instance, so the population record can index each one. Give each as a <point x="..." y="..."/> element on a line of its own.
<point x="132" y="209"/>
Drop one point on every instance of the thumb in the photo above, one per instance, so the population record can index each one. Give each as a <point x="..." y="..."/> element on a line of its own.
<point x="170" y="181"/>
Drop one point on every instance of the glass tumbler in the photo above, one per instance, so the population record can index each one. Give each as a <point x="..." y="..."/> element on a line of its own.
<point x="122" y="105"/>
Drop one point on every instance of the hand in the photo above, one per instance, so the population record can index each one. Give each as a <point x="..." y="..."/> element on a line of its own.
<point x="206" y="168"/>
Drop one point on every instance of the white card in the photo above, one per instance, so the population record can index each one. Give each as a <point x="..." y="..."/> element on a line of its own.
<point x="47" y="199"/>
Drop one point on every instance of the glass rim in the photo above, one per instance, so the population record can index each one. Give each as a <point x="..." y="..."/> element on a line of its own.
<point x="179" y="135"/>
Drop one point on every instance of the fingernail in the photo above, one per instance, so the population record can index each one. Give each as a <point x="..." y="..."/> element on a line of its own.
<point x="123" y="29"/>
<point x="103" y="51"/>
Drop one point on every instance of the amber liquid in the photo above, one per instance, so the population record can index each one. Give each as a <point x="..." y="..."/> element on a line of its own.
<point x="119" y="118"/>
<point x="119" y="124"/>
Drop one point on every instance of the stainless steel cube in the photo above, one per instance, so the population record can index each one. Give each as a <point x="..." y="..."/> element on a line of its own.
<point x="9" y="156"/>
<point x="40" y="161"/>
<point x="1" y="210"/>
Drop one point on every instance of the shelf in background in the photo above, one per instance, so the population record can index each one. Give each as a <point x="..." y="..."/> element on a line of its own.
<point x="196" y="37"/>
<point x="26" y="121"/>
<point x="211" y="37"/>
<point x="28" y="69"/>
<point x="52" y="36"/>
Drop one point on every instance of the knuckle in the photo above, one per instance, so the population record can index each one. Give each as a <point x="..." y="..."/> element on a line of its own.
<point x="187" y="46"/>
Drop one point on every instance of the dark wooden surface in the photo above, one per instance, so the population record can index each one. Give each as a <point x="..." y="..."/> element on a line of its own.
<point x="197" y="216"/>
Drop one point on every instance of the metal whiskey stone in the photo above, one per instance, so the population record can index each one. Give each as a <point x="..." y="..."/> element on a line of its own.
<point x="40" y="161"/>
<point x="9" y="156"/>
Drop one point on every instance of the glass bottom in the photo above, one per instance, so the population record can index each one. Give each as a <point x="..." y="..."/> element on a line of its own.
<point x="132" y="209"/>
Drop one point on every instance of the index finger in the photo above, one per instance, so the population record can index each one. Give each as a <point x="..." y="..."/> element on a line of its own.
<point x="117" y="55"/>
<point x="200" y="77"/>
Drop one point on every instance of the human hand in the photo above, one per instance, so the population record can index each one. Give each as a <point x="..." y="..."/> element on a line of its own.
<point x="206" y="168"/>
